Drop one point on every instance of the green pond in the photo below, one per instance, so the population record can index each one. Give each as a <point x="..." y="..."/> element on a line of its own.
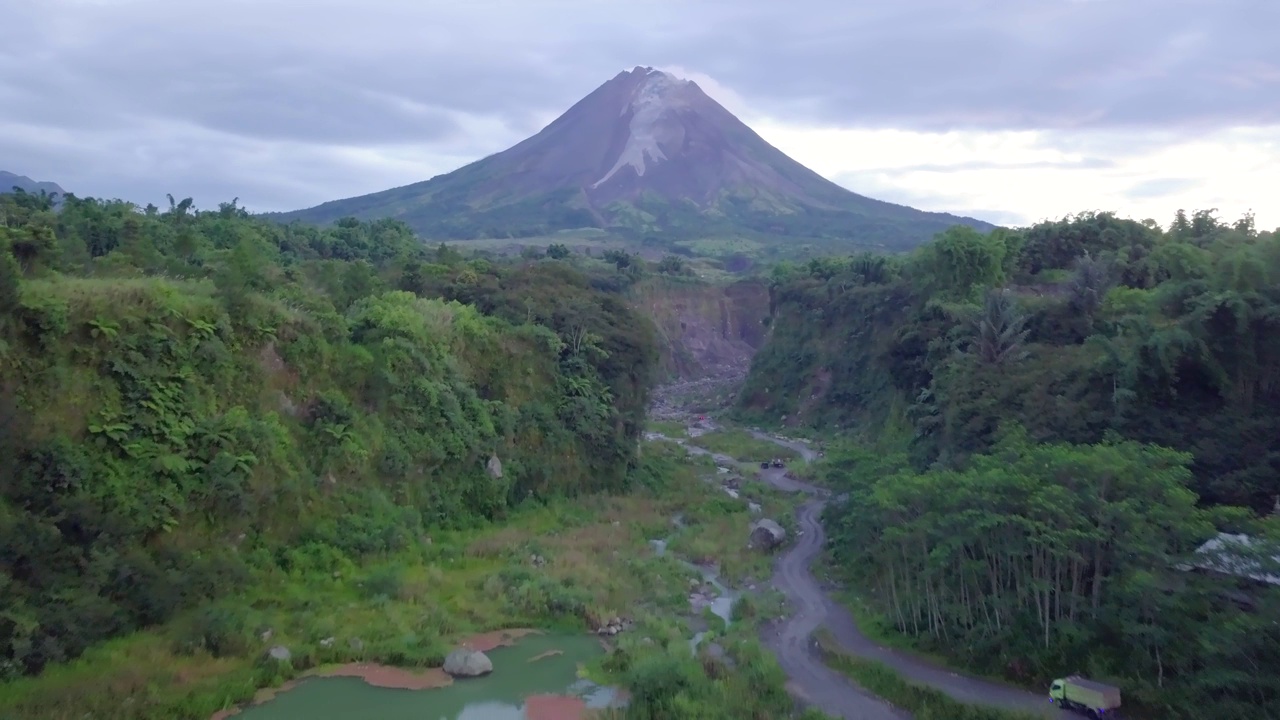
<point x="497" y="696"/>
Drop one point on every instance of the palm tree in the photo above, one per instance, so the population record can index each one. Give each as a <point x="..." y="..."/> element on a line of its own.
<point x="999" y="330"/>
<point x="1089" y="284"/>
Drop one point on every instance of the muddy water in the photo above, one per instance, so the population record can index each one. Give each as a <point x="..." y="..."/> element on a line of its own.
<point x="533" y="668"/>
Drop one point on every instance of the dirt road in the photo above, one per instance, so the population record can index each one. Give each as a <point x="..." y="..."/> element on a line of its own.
<point x="792" y="638"/>
<point x="812" y="607"/>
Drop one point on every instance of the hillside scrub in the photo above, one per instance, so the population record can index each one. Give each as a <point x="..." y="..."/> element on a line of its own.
<point x="197" y="400"/>
<point x="1040" y="426"/>
<point x="410" y="607"/>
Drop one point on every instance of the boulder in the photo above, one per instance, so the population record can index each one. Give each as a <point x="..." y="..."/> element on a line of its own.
<point x="494" y="466"/>
<point x="279" y="653"/>
<point x="465" y="662"/>
<point x="767" y="534"/>
<point x="615" y="625"/>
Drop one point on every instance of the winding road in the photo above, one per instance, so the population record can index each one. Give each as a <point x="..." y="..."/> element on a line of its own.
<point x="792" y="639"/>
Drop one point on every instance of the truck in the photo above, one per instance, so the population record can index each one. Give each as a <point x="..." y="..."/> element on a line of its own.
<point x="1092" y="698"/>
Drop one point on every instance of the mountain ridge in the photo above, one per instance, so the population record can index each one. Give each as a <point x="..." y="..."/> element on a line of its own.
<point x="9" y="180"/>
<point x="644" y="153"/>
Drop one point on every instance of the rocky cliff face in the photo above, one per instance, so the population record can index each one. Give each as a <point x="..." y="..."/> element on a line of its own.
<point x="705" y="330"/>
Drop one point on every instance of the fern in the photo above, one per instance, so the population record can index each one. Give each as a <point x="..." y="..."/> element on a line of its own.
<point x="104" y="328"/>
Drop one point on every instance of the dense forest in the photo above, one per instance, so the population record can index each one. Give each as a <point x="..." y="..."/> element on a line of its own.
<point x="190" y="397"/>
<point x="1048" y="422"/>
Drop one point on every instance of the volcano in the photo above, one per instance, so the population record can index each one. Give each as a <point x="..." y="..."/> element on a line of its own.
<point x="646" y="154"/>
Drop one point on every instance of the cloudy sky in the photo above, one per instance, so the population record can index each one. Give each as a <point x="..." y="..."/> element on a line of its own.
<point x="1008" y="110"/>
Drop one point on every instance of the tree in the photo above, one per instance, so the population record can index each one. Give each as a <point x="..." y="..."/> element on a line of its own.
<point x="1089" y="284"/>
<point x="671" y="265"/>
<point x="1029" y="552"/>
<point x="999" y="330"/>
<point x="10" y="294"/>
<point x="620" y="259"/>
<point x="33" y="246"/>
<point x="1246" y="226"/>
<point x="242" y="273"/>
<point x="961" y="260"/>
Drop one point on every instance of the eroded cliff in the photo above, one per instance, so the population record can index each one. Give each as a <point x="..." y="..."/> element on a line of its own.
<point x="705" y="330"/>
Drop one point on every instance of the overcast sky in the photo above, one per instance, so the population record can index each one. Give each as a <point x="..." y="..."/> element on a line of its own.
<point x="1008" y="110"/>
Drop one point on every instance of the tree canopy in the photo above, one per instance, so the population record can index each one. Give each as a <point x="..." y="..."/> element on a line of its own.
<point x="190" y="395"/>
<point x="1046" y="423"/>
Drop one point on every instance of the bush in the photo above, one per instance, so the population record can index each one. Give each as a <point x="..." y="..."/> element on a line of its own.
<point x="386" y="581"/>
<point x="222" y="630"/>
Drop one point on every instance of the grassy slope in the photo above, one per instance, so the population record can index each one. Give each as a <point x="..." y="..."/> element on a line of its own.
<point x="407" y="608"/>
<point x="131" y="392"/>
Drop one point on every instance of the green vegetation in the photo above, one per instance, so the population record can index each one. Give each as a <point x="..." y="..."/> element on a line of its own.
<point x="199" y="401"/>
<point x="407" y="607"/>
<point x="275" y="392"/>
<point x="667" y="682"/>
<point x="1040" y="427"/>
<point x="669" y="428"/>
<point x="740" y="444"/>
<point x="231" y="435"/>
<point x="735" y="233"/>
<point x="714" y="533"/>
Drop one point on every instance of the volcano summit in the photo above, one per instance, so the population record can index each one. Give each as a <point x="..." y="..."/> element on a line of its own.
<point x="645" y="154"/>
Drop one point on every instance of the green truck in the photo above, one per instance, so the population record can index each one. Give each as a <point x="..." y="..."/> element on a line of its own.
<point x="1095" y="699"/>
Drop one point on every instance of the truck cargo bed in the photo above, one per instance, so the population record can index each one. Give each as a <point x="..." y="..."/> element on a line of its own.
<point x="1092" y="694"/>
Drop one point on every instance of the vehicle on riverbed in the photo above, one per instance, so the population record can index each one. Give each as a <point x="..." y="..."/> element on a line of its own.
<point x="777" y="462"/>
<point x="1094" y="699"/>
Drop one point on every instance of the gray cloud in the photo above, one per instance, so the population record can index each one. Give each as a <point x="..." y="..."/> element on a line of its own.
<point x="971" y="165"/>
<point x="278" y="100"/>
<point x="873" y="183"/>
<point x="1042" y="64"/>
<point x="1159" y="187"/>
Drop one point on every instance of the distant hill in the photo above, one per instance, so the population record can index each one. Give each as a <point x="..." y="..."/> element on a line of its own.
<point x="646" y="155"/>
<point x="8" y="181"/>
